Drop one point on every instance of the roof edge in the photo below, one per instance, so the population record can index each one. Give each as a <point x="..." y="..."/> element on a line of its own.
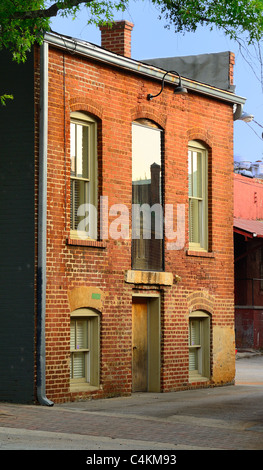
<point x="102" y="55"/>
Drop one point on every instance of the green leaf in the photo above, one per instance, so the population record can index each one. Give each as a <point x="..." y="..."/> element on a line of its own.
<point x="5" y="97"/>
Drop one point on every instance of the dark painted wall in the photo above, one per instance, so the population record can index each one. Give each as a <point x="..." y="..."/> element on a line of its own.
<point x="17" y="231"/>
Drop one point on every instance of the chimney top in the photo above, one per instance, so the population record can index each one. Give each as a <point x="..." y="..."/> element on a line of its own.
<point x="231" y="68"/>
<point x="117" y="38"/>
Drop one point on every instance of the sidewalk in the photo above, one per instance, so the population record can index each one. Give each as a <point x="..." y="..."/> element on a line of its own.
<point x="221" y="418"/>
<point x="225" y="418"/>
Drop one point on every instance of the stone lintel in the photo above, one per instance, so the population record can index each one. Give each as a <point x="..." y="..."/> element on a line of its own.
<point x="150" y="277"/>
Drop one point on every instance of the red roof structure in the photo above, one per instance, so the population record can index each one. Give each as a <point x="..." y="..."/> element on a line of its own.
<point x="249" y="228"/>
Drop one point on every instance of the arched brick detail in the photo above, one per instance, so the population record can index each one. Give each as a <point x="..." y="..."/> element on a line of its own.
<point x="200" y="300"/>
<point x="91" y="107"/>
<point x="201" y="135"/>
<point x="85" y="297"/>
<point x="147" y="112"/>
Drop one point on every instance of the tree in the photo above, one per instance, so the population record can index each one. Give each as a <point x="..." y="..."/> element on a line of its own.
<point x="23" y="22"/>
<point x="240" y="20"/>
<point x="237" y="18"/>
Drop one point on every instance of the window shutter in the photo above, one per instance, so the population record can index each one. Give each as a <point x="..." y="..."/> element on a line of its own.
<point x="81" y="342"/>
<point x="194" y="343"/>
<point x="194" y="332"/>
<point x="192" y="360"/>
<point x="72" y="335"/>
<point x="78" y="366"/>
<point x="199" y="345"/>
<point x="84" y="347"/>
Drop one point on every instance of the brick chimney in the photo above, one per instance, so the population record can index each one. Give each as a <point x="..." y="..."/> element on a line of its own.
<point x="231" y="68"/>
<point x="117" y="38"/>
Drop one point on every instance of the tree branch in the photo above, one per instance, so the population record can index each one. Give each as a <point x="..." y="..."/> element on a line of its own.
<point x="49" y="12"/>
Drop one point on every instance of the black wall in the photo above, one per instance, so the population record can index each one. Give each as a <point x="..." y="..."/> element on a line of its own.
<point x="17" y="231"/>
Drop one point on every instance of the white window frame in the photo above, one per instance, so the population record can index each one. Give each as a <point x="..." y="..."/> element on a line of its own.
<point x="199" y="220"/>
<point x="89" y="219"/>
<point x="200" y="350"/>
<point x="91" y="350"/>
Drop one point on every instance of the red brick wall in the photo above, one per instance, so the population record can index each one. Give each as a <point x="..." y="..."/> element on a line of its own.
<point x="248" y="197"/>
<point x="116" y="98"/>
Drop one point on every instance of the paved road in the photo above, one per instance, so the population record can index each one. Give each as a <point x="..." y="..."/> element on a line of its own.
<point x="249" y="369"/>
<point x="222" y="418"/>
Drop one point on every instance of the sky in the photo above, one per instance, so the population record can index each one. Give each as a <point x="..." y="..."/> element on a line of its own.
<point x="150" y="39"/>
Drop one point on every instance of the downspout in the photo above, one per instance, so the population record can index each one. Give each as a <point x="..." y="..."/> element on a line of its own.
<point x="238" y="112"/>
<point x="42" y="228"/>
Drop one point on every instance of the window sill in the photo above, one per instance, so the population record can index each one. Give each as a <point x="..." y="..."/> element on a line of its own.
<point x="200" y="254"/>
<point x="83" y="387"/>
<point x="90" y="243"/>
<point x="196" y="378"/>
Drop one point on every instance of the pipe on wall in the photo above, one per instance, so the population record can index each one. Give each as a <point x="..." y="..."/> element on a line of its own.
<point x="42" y="228"/>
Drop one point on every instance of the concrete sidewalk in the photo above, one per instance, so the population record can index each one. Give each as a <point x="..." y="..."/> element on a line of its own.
<point x="222" y="418"/>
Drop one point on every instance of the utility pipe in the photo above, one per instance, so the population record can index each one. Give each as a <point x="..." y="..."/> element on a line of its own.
<point x="42" y="229"/>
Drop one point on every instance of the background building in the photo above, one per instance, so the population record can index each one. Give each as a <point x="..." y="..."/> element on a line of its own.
<point x="248" y="240"/>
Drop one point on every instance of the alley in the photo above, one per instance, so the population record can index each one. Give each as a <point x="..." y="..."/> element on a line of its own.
<point x="222" y="418"/>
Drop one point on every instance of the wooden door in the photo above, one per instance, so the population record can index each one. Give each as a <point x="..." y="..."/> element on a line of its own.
<point x="139" y="345"/>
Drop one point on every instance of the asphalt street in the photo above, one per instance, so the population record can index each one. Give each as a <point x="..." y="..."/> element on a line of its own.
<point x="221" y="418"/>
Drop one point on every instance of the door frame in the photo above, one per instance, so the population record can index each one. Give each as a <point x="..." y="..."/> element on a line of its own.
<point x="154" y="340"/>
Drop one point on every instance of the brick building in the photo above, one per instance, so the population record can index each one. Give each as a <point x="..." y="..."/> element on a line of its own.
<point x="248" y="249"/>
<point x="93" y="306"/>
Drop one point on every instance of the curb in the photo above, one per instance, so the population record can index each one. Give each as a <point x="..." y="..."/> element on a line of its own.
<point x="240" y="354"/>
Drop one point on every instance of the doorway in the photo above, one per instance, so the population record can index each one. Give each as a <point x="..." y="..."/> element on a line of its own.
<point x="146" y="344"/>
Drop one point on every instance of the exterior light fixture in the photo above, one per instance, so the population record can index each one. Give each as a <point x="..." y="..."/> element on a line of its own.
<point x="179" y="89"/>
<point x="246" y="117"/>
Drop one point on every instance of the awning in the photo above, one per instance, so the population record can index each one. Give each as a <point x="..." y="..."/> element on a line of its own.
<point x="249" y="228"/>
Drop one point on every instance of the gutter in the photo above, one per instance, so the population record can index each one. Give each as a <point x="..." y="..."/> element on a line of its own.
<point x="94" y="52"/>
<point x="42" y="227"/>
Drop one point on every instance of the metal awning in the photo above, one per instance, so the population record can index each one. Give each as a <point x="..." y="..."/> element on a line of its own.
<point x="249" y="228"/>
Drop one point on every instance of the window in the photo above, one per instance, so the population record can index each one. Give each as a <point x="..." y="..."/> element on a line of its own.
<point x="198" y="197"/>
<point x="84" y="347"/>
<point x="83" y="175"/>
<point x="147" y="216"/>
<point x="199" y="346"/>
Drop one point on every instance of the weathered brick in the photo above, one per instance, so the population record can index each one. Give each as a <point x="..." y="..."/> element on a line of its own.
<point x="116" y="98"/>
